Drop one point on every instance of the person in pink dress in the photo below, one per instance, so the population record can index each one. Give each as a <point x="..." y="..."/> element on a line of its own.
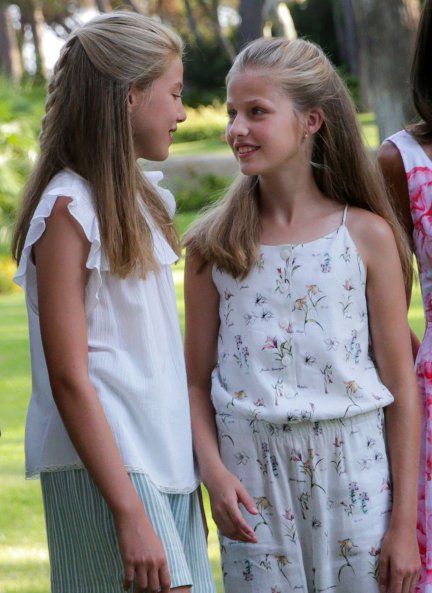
<point x="406" y="161"/>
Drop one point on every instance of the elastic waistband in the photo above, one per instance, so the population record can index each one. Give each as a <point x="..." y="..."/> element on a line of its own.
<point x="236" y="425"/>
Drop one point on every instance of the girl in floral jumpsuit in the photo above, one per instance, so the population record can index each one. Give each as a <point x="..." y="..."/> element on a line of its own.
<point x="303" y="394"/>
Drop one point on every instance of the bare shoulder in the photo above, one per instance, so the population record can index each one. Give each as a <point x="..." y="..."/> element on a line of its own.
<point x="61" y="216"/>
<point x="392" y="166"/>
<point x="63" y="236"/>
<point x="370" y="232"/>
<point x="367" y="224"/>
<point x="389" y="156"/>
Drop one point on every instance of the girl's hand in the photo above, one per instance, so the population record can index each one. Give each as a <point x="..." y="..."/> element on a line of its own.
<point x="399" y="562"/>
<point x="143" y="555"/>
<point x="226" y="493"/>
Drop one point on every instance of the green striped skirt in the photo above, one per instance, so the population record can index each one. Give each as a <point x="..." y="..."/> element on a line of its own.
<point x="82" y="542"/>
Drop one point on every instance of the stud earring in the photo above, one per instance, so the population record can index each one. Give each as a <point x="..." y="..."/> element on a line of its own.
<point x="305" y="134"/>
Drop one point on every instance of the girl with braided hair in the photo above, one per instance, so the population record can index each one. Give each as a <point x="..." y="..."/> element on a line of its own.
<point x="108" y="425"/>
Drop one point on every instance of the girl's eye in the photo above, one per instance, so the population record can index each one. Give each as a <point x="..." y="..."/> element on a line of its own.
<point x="177" y="96"/>
<point x="258" y="111"/>
<point x="231" y="115"/>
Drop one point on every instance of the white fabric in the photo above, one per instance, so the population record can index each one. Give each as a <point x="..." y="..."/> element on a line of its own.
<point x="135" y="355"/>
<point x="323" y="494"/>
<point x="294" y="336"/>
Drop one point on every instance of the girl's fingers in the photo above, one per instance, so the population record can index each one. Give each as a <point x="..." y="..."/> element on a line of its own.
<point x="383" y="575"/>
<point x="164" y="580"/>
<point x="141" y="582"/>
<point x="411" y="583"/>
<point x="246" y="501"/>
<point x="241" y="528"/>
<point x="148" y="578"/>
<point x="153" y="581"/>
<point x="128" y="577"/>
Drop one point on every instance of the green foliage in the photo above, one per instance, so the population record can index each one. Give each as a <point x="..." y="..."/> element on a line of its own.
<point x="21" y="109"/>
<point x="7" y="271"/>
<point x="203" y="122"/>
<point x="200" y="191"/>
<point x="206" y="66"/>
<point x="313" y="19"/>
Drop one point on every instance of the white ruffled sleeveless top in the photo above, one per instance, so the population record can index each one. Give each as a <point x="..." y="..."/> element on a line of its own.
<point x="294" y="336"/>
<point x="135" y="355"/>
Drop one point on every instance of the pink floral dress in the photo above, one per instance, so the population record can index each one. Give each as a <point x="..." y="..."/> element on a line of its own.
<point x="418" y="167"/>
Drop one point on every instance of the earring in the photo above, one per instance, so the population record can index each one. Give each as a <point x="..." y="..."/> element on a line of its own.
<point x="305" y="135"/>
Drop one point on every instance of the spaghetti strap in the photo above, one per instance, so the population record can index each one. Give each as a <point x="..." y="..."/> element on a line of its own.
<point x="344" y="214"/>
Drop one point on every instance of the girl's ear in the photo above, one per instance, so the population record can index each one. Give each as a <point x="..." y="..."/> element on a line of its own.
<point x="135" y="97"/>
<point x="314" y="120"/>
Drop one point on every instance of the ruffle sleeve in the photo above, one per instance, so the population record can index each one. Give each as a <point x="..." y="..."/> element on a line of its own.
<point x="71" y="185"/>
<point x="155" y="177"/>
<point x="81" y="208"/>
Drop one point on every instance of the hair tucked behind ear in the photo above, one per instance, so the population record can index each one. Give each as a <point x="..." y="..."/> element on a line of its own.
<point x="421" y="76"/>
<point x="228" y="234"/>
<point x="87" y="129"/>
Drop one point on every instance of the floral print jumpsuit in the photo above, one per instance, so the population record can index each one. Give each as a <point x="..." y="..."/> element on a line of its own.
<point x="299" y="411"/>
<point x="418" y="167"/>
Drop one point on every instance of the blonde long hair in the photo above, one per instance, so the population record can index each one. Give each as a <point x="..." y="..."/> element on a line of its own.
<point x="87" y="128"/>
<point x="228" y="234"/>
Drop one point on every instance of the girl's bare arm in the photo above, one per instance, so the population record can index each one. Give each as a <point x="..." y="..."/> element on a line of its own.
<point x="392" y="167"/>
<point x="390" y="333"/>
<point x="202" y="328"/>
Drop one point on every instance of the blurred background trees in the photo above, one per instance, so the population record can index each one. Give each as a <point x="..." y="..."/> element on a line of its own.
<point x="369" y="40"/>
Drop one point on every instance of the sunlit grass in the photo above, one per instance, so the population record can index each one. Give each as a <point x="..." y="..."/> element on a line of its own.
<point x="200" y="147"/>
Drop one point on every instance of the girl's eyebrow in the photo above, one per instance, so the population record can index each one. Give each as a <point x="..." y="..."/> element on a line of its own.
<point x="253" y="100"/>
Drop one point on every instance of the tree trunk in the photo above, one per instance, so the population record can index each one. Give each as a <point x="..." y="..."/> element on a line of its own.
<point x="386" y="33"/>
<point x="10" y="60"/>
<point x="103" y="5"/>
<point x="224" y="41"/>
<point x="32" y="17"/>
<point x="278" y="20"/>
<point x="251" y="26"/>
<point x="192" y="21"/>
<point x="346" y="34"/>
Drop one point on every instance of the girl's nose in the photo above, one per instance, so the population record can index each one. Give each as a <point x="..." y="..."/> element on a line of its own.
<point x="237" y="127"/>
<point x="182" y="114"/>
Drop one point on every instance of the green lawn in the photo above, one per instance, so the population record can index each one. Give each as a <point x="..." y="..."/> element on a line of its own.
<point x="23" y="554"/>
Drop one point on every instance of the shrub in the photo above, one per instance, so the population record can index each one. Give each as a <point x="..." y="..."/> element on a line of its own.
<point x="203" y="123"/>
<point x="7" y="271"/>
<point x="21" y="109"/>
<point x="200" y="191"/>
